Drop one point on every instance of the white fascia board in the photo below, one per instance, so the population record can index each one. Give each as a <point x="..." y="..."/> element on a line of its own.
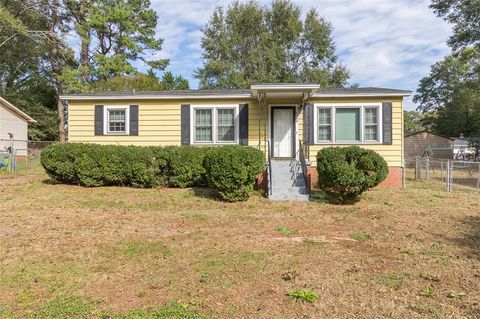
<point x="285" y="87"/>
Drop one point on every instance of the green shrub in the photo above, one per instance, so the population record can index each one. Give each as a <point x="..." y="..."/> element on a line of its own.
<point x="58" y="160"/>
<point x="232" y="170"/>
<point x="104" y="165"/>
<point x="186" y="167"/>
<point x="346" y="172"/>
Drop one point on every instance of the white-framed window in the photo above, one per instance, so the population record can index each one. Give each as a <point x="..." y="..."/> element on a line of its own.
<point x="116" y="120"/>
<point x="214" y="124"/>
<point x="324" y="124"/>
<point x="370" y="122"/>
<point x="348" y="123"/>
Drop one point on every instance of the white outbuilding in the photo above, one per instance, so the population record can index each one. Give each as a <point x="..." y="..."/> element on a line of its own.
<point x="13" y="129"/>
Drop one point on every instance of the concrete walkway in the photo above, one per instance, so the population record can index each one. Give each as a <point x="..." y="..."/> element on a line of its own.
<point x="286" y="183"/>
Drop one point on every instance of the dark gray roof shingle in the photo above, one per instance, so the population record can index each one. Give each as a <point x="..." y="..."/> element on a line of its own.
<point x="202" y="92"/>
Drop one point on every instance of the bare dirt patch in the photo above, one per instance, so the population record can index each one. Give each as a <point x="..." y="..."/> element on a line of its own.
<point x="410" y="253"/>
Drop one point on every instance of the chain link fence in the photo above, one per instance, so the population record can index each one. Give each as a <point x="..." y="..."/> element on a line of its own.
<point x="451" y="175"/>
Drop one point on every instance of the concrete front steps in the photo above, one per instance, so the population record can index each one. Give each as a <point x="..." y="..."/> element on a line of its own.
<point x="288" y="183"/>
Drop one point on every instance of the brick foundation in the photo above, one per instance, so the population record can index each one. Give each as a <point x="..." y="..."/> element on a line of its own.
<point x="261" y="181"/>
<point x="393" y="180"/>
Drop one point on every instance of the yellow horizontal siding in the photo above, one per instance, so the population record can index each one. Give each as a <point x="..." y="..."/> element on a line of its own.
<point x="393" y="154"/>
<point x="159" y="123"/>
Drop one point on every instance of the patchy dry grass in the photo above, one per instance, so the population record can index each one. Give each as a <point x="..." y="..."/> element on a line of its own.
<point x="73" y="252"/>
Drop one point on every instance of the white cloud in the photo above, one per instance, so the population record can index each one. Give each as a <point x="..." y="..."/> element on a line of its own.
<point x="389" y="43"/>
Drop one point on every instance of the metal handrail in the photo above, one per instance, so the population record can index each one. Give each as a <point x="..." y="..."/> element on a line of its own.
<point x="269" y="169"/>
<point x="303" y="163"/>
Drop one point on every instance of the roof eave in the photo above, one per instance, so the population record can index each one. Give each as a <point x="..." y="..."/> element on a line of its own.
<point x="153" y="97"/>
<point x="378" y="94"/>
<point x="17" y="111"/>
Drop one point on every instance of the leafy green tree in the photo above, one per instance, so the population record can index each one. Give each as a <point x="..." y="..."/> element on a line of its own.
<point x="25" y="74"/>
<point x="414" y="121"/>
<point x="250" y="43"/>
<point x="452" y="91"/>
<point x="465" y="17"/>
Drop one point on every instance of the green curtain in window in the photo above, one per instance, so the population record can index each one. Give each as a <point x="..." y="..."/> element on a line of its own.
<point x="347" y="124"/>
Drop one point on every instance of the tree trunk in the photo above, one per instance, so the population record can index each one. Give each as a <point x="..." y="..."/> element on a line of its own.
<point x="85" y="36"/>
<point x="57" y="68"/>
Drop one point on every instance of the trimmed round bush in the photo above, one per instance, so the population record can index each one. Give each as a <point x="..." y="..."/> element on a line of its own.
<point x="185" y="168"/>
<point x="232" y="170"/>
<point x="346" y="172"/>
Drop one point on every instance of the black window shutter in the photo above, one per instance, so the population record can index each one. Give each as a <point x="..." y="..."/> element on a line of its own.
<point x="243" y="119"/>
<point x="308" y="125"/>
<point x="98" y="120"/>
<point x="133" y="119"/>
<point x="387" y="122"/>
<point x="185" y="124"/>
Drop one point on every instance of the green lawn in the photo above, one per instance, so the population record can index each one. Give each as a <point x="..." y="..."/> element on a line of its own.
<point x="73" y="252"/>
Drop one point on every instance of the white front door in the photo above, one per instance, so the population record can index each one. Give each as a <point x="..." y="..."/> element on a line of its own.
<point x="283" y="131"/>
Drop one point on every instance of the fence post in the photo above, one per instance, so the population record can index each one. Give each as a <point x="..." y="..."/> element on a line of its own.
<point x="11" y="166"/>
<point x="441" y="171"/>
<point x="478" y="178"/>
<point x="447" y="184"/>
<point x="417" y="175"/>
<point x="427" y="168"/>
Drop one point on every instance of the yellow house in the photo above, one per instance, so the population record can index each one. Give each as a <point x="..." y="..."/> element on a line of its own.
<point x="287" y="121"/>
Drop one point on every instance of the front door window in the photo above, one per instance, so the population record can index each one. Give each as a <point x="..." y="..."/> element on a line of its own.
<point x="283" y="132"/>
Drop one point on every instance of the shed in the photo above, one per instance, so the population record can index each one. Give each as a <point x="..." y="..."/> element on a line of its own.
<point x="420" y="142"/>
<point x="13" y="125"/>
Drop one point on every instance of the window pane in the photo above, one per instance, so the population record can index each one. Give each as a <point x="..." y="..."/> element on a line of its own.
<point x="203" y="134"/>
<point x="203" y="117"/>
<point x="226" y="125"/>
<point x="324" y="116"/>
<point x="324" y="133"/>
<point x="347" y="122"/>
<point x="371" y="132"/>
<point x="203" y="125"/>
<point x="226" y="116"/>
<point x="116" y="121"/>
<point x="226" y="134"/>
<point x="370" y="115"/>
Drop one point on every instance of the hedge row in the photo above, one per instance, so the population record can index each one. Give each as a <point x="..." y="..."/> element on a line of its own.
<point x="231" y="170"/>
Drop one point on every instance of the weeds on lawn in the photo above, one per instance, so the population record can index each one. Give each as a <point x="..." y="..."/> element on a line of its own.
<point x="436" y="250"/>
<point x="204" y="278"/>
<point x="359" y="236"/>
<point x="170" y="310"/>
<point x="303" y="295"/>
<point x="408" y="252"/>
<point x="392" y="281"/>
<point x="307" y="240"/>
<point x="286" y="231"/>
<point x="135" y="248"/>
<point x="66" y="307"/>
<point x="456" y="294"/>
<point x="428" y="292"/>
